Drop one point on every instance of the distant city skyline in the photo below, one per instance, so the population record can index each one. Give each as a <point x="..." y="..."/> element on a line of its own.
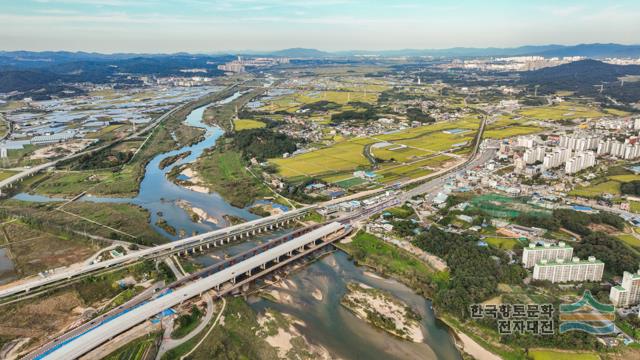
<point x="157" y="26"/>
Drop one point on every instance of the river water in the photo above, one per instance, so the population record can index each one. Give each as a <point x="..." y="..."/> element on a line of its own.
<point x="329" y="324"/>
<point x="159" y="195"/>
<point x="7" y="268"/>
<point x="326" y="322"/>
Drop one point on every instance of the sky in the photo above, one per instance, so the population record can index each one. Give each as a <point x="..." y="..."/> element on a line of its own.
<point x="209" y="26"/>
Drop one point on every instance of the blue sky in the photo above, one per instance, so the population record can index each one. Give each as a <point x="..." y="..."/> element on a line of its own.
<point x="221" y="25"/>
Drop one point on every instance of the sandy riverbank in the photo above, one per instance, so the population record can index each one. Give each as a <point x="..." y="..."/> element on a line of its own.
<point x="389" y="313"/>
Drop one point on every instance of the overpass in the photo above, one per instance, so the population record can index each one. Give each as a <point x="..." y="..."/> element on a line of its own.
<point x="223" y="281"/>
<point x="194" y="243"/>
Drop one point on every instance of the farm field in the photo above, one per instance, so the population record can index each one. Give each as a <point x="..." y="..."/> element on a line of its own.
<point x="625" y="178"/>
<point x="608" y="187"/>
<point x="502" y="243"/>
<point x="629" y="240"/>
<point x="564" y="111"/>
<point x="559" y="355"/>
<point x="342" y="158"/>
<point x="293" y="102"/>
<point x="507" y="127"/>
<point x="246" y="124"/>
<point x="35" y="250"/>
<point x="4" y="174"/>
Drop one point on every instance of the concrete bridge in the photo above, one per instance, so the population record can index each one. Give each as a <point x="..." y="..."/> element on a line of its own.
<point x="183" y="246"/>
<point x="232" y="276"/>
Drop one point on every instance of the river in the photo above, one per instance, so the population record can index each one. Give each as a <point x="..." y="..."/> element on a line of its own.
<point x="159" y="195"/>
<point x="326" y="322"/>
<point x="329" y="324"/>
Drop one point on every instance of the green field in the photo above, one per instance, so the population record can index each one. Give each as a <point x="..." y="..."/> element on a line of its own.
<point x="502" y="243"/>
<point x="510" y="132"/>
<point x="410" y="145"/>
<point x="560" y="355"/>
<point x="625" y="178"/>
<point x="246" y="124"/>
<point x="386" y="258"/>
<point x="563" y="111"/>
<point x="629" y="240"/>
<point x="224" y="173"/>
<point x="293" y="102"/>
<point x="608" y="187"/>
<point x="4" y="174"/>
<point x="135" y="350"/>
<point x="616" y="112"/>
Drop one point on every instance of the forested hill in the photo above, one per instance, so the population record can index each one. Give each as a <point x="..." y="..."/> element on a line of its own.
<point x="584" y="77"/>
<point x="50" y="74"/>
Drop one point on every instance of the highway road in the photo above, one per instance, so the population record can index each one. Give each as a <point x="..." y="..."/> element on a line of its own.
<point x="152" y="252"/>
<point x="75" y="347"/>
<point x="135" y="301"/>
<point x="438" y="179"/>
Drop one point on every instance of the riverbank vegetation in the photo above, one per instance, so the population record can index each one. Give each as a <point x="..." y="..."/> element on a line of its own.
<point x="39" y="317"/>
<point x="233" y="338"/>
<point x="172" y="159"/>
<point x="186" y="323"/>
<point x="389" y="260"/>
<point x="223" y="171"/>
<point x="35" y="248"/>
<point x="383" y="311"/>
<point x="113" y="221"/>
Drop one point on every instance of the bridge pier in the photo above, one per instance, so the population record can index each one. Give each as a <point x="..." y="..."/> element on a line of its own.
<point x="263" y="266"/>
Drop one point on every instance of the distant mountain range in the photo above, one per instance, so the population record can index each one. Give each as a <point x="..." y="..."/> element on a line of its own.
<point x="597" y="51"/>
<point x="588" y="78"/>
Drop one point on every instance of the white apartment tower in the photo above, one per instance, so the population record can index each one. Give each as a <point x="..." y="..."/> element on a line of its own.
<point x="533" y="254"/>
<point x="561" y="271"/>
<point x="628" y="292"/>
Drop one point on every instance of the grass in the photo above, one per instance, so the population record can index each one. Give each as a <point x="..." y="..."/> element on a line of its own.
<point x="224" y="173"/>
<point x="128" y="218"/>
<point x="624" y="178"/>
<point x="388" y="259"/>
<point x="563" y="111"/>
<point x="5" y="174"/>
<point x="510" y="131"/>
<point x="35" y="250"/>
<point x="246" y="124"/>
<point x="502" y="243"/>
<point x="561" y="355"/>
<point x="635" y="206"/>
<point x="235" y="338"/>
<point x="616" y="112"/>
<point x="629" y="240"/>
<point x="591" y="191"/>
<point x="136" y="349"/>
<point x="344" y="157"/>
<point x="402" y="212"/>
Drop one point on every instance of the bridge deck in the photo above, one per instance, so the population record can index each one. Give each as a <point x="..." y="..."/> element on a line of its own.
<point x="75" y="347"/>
